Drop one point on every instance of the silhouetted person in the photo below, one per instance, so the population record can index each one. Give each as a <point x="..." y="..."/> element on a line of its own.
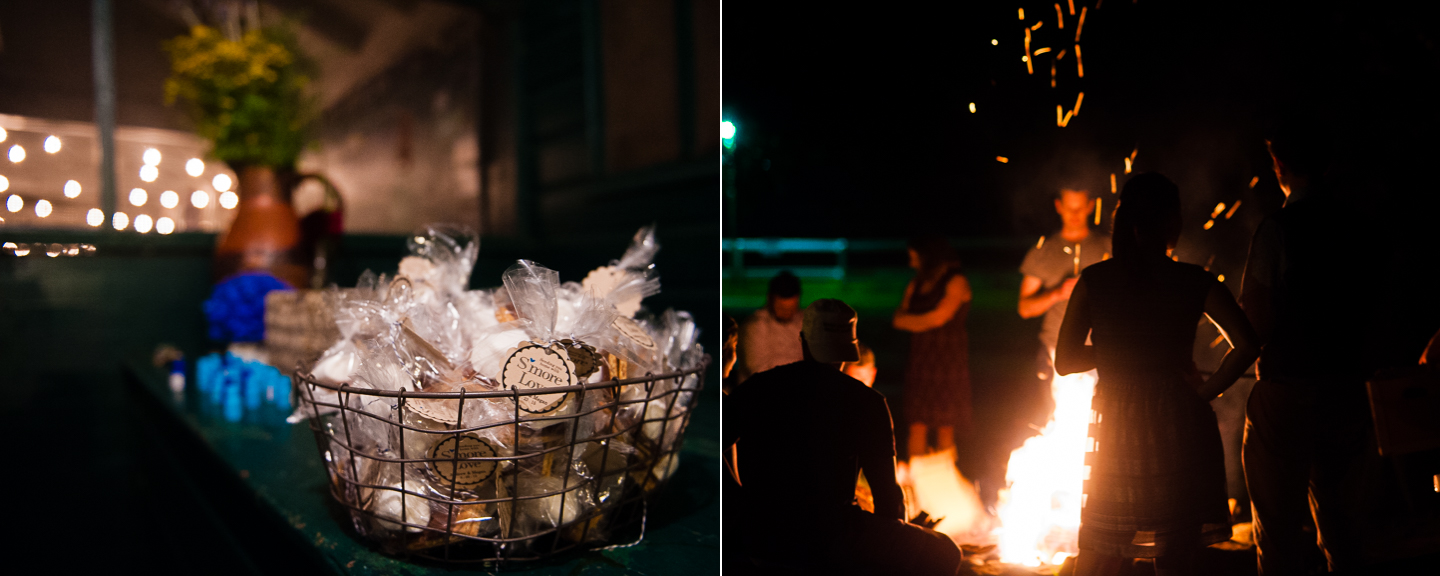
<point x="1308" y="425"/>
<point x="1156" y="486"/>
<point x="805" y="431"/>
<point x="1052" y="267"/>
<point x="767" y="337"/>
<point x="937" y="377"/>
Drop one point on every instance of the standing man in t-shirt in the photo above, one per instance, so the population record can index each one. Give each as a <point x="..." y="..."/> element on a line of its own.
<point x="1054" y="264"/>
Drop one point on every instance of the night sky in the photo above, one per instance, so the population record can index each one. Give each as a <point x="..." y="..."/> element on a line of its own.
<point x="855" y="122"/>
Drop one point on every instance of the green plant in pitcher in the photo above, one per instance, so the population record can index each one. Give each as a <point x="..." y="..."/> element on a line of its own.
<point x="245" y="92"/>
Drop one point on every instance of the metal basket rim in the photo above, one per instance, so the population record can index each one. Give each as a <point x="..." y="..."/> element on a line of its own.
<point x="309" y="378"/>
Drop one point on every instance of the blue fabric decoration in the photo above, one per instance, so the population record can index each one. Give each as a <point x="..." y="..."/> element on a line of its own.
<point x="236" y="309"/>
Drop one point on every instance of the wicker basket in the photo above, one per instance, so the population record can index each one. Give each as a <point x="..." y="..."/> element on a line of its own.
<point x="299" y="326"/>
<point x="598" y="459"/>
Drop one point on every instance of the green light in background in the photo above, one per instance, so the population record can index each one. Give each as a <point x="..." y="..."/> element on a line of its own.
<point x="727" y="133"/>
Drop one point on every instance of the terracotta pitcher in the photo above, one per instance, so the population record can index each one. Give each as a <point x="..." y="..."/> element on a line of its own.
<point x="265" y="235"/>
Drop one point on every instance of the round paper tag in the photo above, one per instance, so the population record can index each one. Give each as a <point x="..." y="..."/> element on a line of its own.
<point x="603" y="280"/>
<point x="471" y="472"/>
<point x="535" y="367"/>
<point x="634" y="332"/>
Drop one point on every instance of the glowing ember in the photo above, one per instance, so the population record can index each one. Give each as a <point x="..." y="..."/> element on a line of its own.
<point x="1218" y="209"/>
<point x="1059" y="115"/>
<point x="1209" y="223"/>
<point x="1254" y="181"/>
<point x="1078" y="99"/>
<point x="1029" y="67"/>
<point x="1232" y="210"/>
<point x="1112" y="182"/>
<point x="1040" y="243"/>
<point x="1218" y="340"/>
<point x="1097" y="211"/>
<point x="1039" y="511"/>
<point x="1079" y="65"/>
<point x="1022" y="13"/>
<point x="1059" y="16"/>
<point x="1081" y="26"/>
<point x="1072" y="7"/>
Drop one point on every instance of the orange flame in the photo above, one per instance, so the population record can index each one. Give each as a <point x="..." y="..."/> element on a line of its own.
<point x="1039" y="510"/>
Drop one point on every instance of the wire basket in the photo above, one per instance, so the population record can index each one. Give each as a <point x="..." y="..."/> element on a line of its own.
<point x="520" y="487"/>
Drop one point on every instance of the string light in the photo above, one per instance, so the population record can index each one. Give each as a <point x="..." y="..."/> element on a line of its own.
<point x="143" y="224"/>
<point x="4" y="183"/>
<point x="17" y="154"/>
<point x="200" y="199"/>
<point x="15" y="203"/>
<point x="42" y="208"/>
<point x="194" y="166"/>
<point x="151" y="157"/>
<point x="52" y="144"/>
<point x="221" y="182"/>
<point x="120" y="221"/>
<point x="164" y="225"/>
<point x="169" y="199"/>
<point x="94" y="217"/>
<point x="138" y="196"/>
<point x="72" y="189"/>
<point x="229" y="200"/>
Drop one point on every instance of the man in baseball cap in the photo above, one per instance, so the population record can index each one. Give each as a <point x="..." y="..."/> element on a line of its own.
<point x="806" y="431"/>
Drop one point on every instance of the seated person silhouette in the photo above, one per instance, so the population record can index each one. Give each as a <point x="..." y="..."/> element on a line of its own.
<point x="804" y="431"/>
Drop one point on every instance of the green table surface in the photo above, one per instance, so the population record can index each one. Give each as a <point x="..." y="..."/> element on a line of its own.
<point x="280" y="465"/>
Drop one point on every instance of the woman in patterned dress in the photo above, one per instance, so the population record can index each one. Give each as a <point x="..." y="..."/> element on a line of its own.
<point x="1155" y="484"/>
<point x="937" y="379"/>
